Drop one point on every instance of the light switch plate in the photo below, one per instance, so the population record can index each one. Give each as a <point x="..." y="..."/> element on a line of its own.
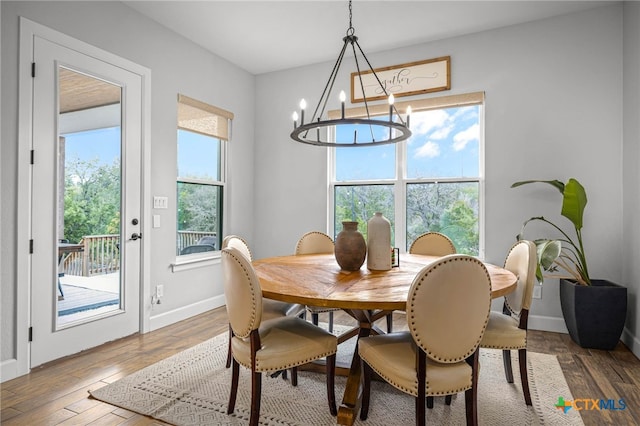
<point x="160" y="202"/>
<point x="156" y="221"/>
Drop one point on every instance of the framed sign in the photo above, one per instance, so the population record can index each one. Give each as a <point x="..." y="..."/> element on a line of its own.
<point x="431" y="75"/>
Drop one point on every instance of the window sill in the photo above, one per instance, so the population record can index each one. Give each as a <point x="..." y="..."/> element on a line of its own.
<point x="193" y="261"/>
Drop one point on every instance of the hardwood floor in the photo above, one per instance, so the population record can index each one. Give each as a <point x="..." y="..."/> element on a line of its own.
<point x="56" y="393"/>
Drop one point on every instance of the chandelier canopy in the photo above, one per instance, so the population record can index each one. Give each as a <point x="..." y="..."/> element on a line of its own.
<point x="372" y="131"/>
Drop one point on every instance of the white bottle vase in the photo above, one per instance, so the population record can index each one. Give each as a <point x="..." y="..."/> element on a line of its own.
<point x="379" y="243"/>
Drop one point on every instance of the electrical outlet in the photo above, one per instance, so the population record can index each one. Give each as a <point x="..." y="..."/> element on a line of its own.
<point x="537" y="292"/>
<point x="159" y="291"/>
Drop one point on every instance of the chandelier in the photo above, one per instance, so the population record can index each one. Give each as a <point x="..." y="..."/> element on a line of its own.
<point x="361" y="131"/>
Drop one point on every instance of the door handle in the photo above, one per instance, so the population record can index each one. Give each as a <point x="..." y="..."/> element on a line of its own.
<point x="135" y="236"/>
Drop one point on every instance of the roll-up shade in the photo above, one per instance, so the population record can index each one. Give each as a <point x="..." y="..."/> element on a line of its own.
<point x="450" y="101"/>
<point x="200" y="117"/>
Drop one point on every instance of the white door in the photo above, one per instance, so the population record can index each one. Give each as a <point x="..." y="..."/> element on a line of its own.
<point x="85" y="202"/>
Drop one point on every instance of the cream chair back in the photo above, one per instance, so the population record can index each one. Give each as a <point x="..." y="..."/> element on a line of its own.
<point x="448" y="307"/>
<point x="433" y="243"/>
<point x="242" y="291"/>
<point x="239" y="243"/>
<point x="521" y="260"/>
<point x="315" y="242"/>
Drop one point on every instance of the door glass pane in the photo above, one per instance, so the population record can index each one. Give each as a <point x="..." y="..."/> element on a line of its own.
<point x="88" y="198"/>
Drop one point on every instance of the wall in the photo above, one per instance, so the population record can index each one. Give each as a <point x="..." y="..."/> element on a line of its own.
<point x="177" y="66"/>
<point x="631" y="175"/>
<point x="553" y="111"/>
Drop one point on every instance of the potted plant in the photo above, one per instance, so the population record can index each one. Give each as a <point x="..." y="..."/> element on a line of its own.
<point x="594" y="310"/>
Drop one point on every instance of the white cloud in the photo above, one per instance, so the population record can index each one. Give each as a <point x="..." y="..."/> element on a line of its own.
<point x="422" y="124"/>
<point x="460" y="140"/>
<point x="441" y="133"/>
<point x="429" y="150"/>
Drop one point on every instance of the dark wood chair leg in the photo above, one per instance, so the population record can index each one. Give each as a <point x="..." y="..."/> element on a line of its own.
<point x="366" y="390"/>
<point x="330" y="322"/>
<point x="447" y="399"/>
<point x="235" y="374"/>
<point x="429" y="402"/>
<point x="506" y="360"/>
<point x="256" y="390"/>
<point x="522" y="360"/>
<point x="294" y="376"/>
<point x="229" y="355"/>
<point x="389" y="323"/>
<point x="470" y="398"/>
<point x="421" y="412"/>
<point x="471" y="395"/>
<point x="315" y="318"/>
<point x="331" y="387"/>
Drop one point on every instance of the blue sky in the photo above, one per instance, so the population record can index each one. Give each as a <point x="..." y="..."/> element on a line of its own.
<point x="445" y="143"/>
<point x="198" y="155"/>
<point x="101" y="144"/>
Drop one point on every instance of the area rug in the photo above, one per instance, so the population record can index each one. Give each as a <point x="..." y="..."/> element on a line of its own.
<point x="192" y="388"/>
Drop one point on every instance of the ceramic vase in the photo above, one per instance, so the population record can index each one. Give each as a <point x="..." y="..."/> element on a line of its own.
<point x="351" y="248"/>
<point x="379" y="243"/>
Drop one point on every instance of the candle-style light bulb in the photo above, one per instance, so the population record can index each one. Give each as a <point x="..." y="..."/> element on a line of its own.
<point x="303" y="105"/>
<point x="408" y="115"/>
<point x="295" y="119"/>
<point x="343" y="97"/>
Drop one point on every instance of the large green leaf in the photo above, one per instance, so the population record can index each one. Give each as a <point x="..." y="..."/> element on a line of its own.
<point x="573" y="203"/>
<point x="555" y="183"/>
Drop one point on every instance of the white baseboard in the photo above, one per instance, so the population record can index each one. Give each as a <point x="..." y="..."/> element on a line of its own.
<point x="184" y="312"/>
<point x="632" y="342"/>
<point x="8" y="370"/>
<point x="542" y="323"/>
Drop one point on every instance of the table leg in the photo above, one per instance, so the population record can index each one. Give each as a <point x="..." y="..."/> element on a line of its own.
<point x="351" y="400"/>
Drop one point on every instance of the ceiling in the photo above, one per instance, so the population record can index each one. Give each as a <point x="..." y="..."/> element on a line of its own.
<point x="264" y="36"/>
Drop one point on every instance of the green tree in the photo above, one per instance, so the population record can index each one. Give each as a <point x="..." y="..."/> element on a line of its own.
<point x="91" y="198"/>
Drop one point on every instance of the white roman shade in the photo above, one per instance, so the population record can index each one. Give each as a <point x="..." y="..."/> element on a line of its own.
<point x="200" y="117"/>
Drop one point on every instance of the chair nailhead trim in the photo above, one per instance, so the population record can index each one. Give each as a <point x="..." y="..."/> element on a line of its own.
<point x="414" y="332"/>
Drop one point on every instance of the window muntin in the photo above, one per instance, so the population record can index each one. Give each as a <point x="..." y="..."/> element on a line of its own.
<point x="436" y="182"/>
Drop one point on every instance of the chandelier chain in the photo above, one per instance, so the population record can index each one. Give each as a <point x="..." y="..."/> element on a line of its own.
<point x="350" y="31"/>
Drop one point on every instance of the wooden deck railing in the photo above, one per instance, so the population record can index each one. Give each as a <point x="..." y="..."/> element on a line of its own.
<point x="190" y="238"/>
<point x="101" y="254"/>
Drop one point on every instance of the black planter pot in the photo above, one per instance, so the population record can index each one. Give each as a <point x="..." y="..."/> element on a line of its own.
<point x="595" y="314"/>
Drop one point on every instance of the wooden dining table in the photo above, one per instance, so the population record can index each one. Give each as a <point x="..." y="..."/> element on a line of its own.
<point x="366" y="295"/>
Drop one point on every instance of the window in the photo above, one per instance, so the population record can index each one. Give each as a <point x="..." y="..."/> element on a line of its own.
<point x="431" y="182"/>
<point x="203" y="132"/>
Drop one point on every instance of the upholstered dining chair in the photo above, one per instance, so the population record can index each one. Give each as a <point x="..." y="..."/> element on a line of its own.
<point x="429" y="243"/>
<point x="270" y="308"/>
<point x="273" y="345"/>
<point x="507" y="330"/>
<point x="316" y="242"/>
<point x="432" y="243"/>
<point x="447" y="311"/>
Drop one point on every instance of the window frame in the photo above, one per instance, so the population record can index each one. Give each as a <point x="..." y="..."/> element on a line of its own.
<point x="401" y="181"/>
<point x="221" y="133"/>
<point x="222" y="184"/>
